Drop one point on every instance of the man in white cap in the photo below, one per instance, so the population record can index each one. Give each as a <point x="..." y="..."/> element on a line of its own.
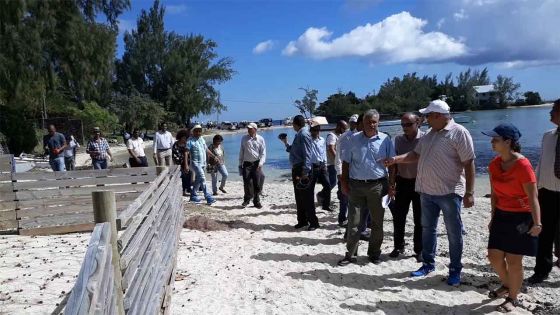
<point x="252" y="156"/>
<point x="198" y="151"/>
<point x="340" y="144"/>
<point x="318" y="162"/>
<point x="445" y="178"/>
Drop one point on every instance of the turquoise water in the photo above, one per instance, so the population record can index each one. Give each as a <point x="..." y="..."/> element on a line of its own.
<point x="532" y="122"/>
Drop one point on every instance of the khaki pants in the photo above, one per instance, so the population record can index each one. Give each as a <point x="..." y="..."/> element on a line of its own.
<point x="163" y="156"/>
<point x="364" y="196"/>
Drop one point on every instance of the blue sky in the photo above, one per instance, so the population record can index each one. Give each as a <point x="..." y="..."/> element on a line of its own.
<point x="355" y="45"/>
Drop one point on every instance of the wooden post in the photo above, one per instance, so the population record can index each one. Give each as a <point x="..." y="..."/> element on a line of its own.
<point x="105" y="210"/>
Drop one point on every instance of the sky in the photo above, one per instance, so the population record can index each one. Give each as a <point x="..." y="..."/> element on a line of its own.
<point x="280" y="46"/>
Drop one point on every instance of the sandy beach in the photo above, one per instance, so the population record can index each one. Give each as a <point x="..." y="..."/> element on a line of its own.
<point x="251" y="261"/>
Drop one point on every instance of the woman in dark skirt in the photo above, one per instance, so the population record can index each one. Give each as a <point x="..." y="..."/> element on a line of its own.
<point x="515" y="222"/>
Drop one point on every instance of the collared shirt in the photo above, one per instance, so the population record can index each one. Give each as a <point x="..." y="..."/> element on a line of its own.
<point x="442" y="154"/>
<point x="163" y="140"/>
<point x="318" y="151"/>
<point x="545" y="169"/>
<point x="70" y="150"/>
<point x="364" y="155"/>
<point x="97" y="149"/>
<point x="197" y="150"/>
<point x="56" y="141"/>
<point x="137" y="146"/>
<point x="341" y="143"/>
<point x="300" y="149"/>
<point x="404" y="145"/>
<point x="178" y="153"/>
<point x="331" y="140"/>
<point x="252" y="149"/>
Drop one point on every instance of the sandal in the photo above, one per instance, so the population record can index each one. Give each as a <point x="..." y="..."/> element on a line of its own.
<point x="500" y="292"/>
<point x="508" y="306"/>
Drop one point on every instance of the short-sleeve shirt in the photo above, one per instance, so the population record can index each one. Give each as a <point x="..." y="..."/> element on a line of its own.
<point x="442" y="154"/>
<point x="178" y="153"/>
<point x="318" y="151"/>
<point x="137" y="146"/>
<point x="98" y="149"/>
<point x="55" y="141"/>
<point x="197" y="149"/>
<point x="365" y="155"/>
<point x="402" y="146"/>
<point x="331" y="140"/>
<point x="507" y="186"/>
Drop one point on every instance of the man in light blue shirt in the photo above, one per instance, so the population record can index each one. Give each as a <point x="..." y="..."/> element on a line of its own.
<point x="197" y="150"/>
<point x="364" y="179"/>
<point x="320" y="174"/>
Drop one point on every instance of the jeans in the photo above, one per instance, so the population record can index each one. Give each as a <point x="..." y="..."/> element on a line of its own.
<point x="69" y="162"/>
<point x="57" y="164"/>
<point x="186" y="180"/>
<point x="332" y="175"/>
<point x="99" y="164"/>
<point x="199" y="181"/>
<point x="222" y="170"/>
<point x="450" y="205"/>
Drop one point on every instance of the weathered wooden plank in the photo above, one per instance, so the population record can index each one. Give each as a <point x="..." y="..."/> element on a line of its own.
<point x="73" y="200"/>
<point x="8" y="226"/>
<point x="101" y="296"/>
<point x="62" y="229"/>
<point x="56" y="192"/>
<point x="92" y="266"/>
<point x="7" y="215"/>
<point x="62" y="210"/>
<point x="6" y="177"/>
<point x="26" y="185"/>
<point x="139" y="280"/>
<point x="114" y="172"/>
<point x="6" y="187"/>
<point x="6" y="161"/>
<point x="7" y="196"/>
<point x="150" y="285"/>
<point x="8" y="205"/>
<point x="128" y="213"/>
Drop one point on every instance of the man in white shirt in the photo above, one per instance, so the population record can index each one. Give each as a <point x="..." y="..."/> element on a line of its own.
<point x="135" y="148"/>
<point x="252" y="155"/>
<point x="340" y="143"/>
<point x="163" y="141"/>
<point x="319" y="167"/>
<point x="548" y="182"/>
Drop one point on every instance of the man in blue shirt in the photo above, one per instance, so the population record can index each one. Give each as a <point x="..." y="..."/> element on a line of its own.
<point x="320" y="174"/>
<point x="197" y="150"/>
<point x="300" y="159"/>
<point x="364" y="179"/>
<point x="55" y="144"/>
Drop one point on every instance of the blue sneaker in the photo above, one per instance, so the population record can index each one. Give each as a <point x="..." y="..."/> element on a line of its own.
<point x="194" y="199"/>
<point x="423" y="271"/>
<point x="454" y="278"/>
<point x="210" y="200"/>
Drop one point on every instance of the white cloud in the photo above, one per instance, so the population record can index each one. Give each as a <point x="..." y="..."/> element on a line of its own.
<point x="263" y="47"/>
<point x="175" y="9"/>
<point x="440" y="23"/>
<point x="126" y="25"/>
<point x="398" y="38"/>
<point x="461" y="15"/>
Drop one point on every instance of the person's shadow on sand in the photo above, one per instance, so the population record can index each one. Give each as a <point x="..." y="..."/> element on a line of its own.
<point x="419" y="307"/>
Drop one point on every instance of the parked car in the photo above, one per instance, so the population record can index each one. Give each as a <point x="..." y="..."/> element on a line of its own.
<point x="226" y="125"/>
<point x="267" y="122"/>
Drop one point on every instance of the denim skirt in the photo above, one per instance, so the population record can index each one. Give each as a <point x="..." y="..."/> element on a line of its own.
<point x="508" y="233"/>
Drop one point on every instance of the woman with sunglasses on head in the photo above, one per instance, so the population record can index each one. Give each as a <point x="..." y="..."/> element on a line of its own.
<point x="515" y="222"/>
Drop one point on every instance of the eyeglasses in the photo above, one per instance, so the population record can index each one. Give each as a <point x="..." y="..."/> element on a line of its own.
<point x="407" y="124"/>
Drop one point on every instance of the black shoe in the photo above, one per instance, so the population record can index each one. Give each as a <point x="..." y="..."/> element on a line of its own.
<point x="347" y="260"/>
<point x="245" y="204"/>
<point x="374" y="260"/>
<point x="214" y="194"/>
<point x="313" y="227"/>
<point x="537" y="278"/>
<point x="258" y="205"/>
<point x="300" y="225"/>
<point x="419" y="258"/>
<point x="396" y="252"/>
<point x="223" y="190"/>
<point x="364" y="237"/>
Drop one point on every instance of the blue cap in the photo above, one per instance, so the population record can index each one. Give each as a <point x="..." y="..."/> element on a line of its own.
<point x="506" y="131"/>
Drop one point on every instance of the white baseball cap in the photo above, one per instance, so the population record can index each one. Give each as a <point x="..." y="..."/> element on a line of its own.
<point x="436" y="106"/>
<point x="353" y="118"/>
<point x="252" y="126"/>
<point x="196" y="127"/>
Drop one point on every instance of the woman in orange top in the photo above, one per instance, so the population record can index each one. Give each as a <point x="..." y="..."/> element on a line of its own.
<point x="515" y="222"/>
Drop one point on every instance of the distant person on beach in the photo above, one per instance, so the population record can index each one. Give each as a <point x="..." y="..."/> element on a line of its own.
<point x="405" y="188"/>
<point x="252" y="156"/>
<point x="70" y="152"/>
<point x="163" y="140"/>
<point x="515" y="221"/>
<point x="99" y="151"/>
<point x="340" y="143"/>
<point x="319" y="173"/>
<point x="300" y="159"/>
<point x="54" y="144"/>
<point x="180" y="156"/>
<point x="548" y="175"/>
<point x="332" y="139"/>
<point x="218" y="165"/>
<point x="135" y="146"/>
<point x="365" y="179"/>
<point x="445" y="178"/>
<point x="198" y="153"/>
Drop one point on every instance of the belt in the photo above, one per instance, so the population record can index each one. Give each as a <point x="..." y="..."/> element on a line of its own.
<point x="369" y="180"/>
<point x="320" y="164"/>
<point x="163" y="149"/>
<point x="251" y="163"/>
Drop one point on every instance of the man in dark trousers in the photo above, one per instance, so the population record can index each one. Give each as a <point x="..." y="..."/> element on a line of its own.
<point x="300" y="159"/>
<point x="548" y="182"/>
<point x="252" y="156"/>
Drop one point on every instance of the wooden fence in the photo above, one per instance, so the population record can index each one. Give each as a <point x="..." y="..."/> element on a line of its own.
<point x="60" y="202"/>
<point x="146" y="254"/>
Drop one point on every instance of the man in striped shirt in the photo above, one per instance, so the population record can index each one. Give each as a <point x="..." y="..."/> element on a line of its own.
<point x="445" y="178"/>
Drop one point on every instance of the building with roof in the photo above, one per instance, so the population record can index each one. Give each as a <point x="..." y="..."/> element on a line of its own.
<point x="484" y="94"/>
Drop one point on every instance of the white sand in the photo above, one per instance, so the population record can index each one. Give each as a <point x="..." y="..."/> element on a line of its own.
<point x="261" y="265"/>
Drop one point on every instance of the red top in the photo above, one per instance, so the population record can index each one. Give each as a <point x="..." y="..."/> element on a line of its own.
<point x="508" y="185"/>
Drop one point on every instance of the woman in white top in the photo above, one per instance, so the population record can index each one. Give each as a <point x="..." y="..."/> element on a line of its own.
<point x="218" y="165"/>
<point x="70" y="153"/>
